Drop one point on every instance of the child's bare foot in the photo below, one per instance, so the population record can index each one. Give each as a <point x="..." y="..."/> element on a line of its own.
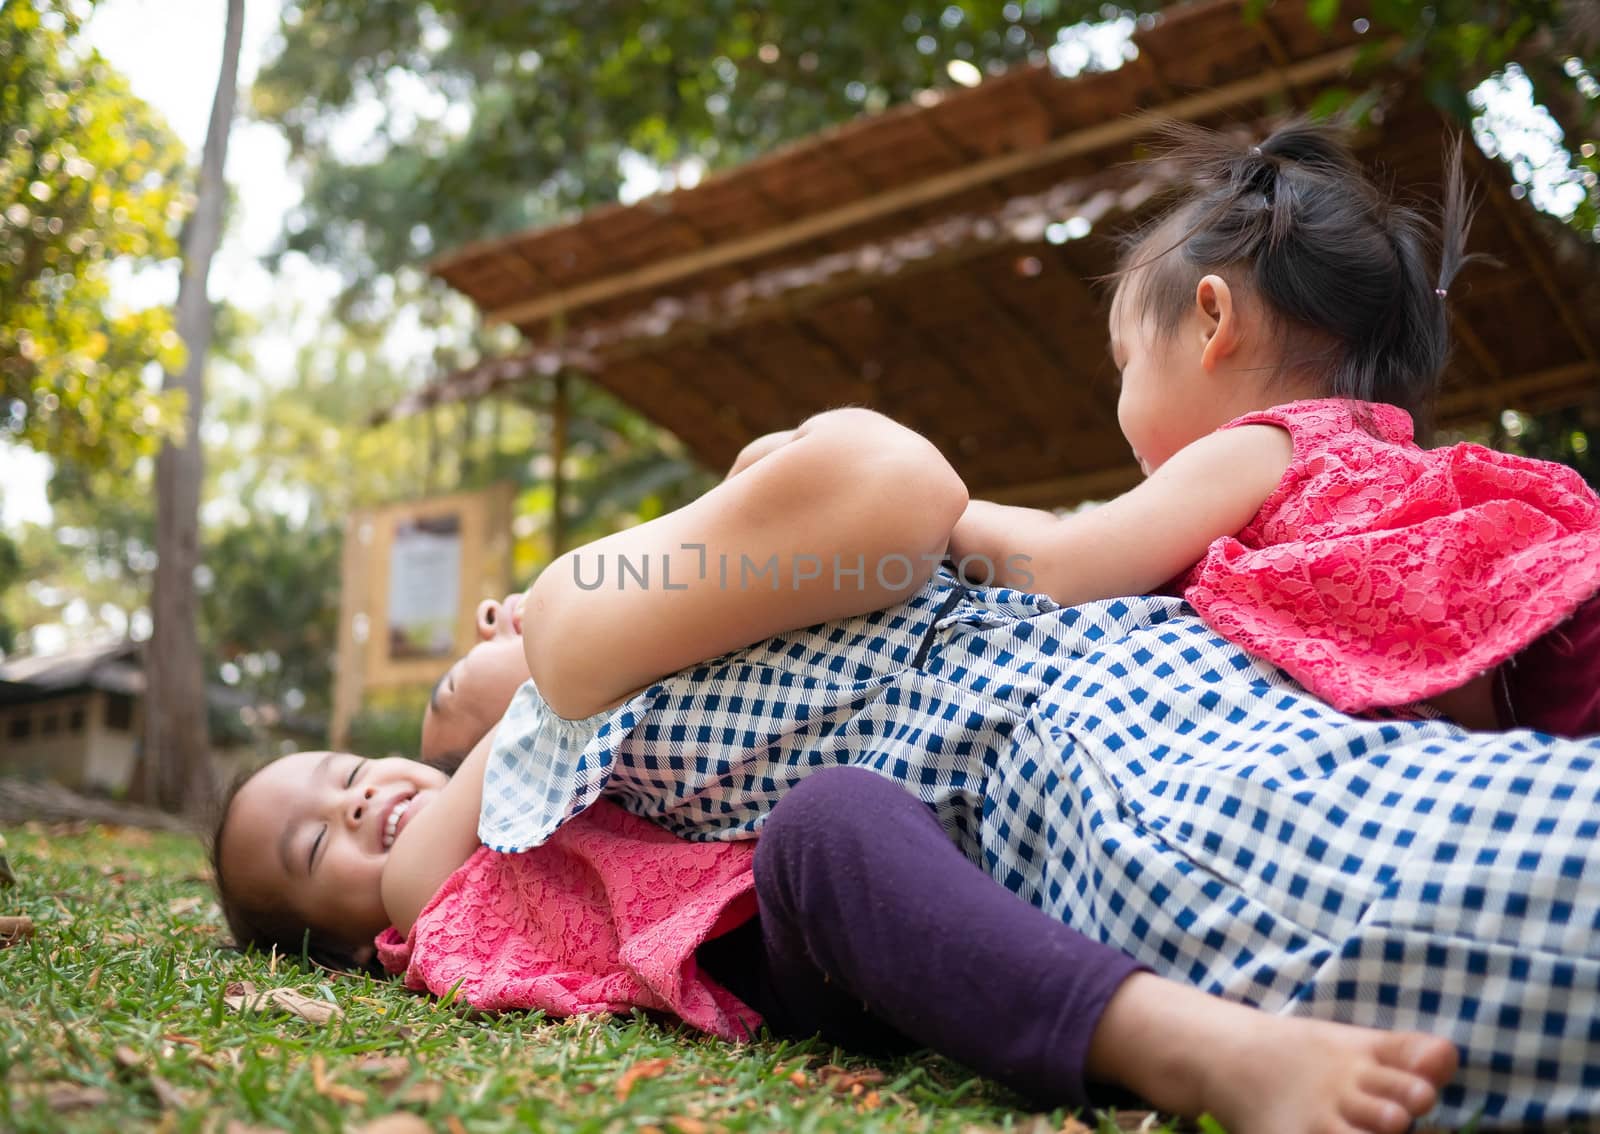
<point x="1313" y="1077"/>
<point x="1256" y="1073"/>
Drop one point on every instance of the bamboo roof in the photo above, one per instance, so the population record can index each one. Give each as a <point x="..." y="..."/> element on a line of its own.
<point x="936" y="261"/>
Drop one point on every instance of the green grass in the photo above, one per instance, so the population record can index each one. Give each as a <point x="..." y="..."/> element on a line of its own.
<point x="113" y="1017"/>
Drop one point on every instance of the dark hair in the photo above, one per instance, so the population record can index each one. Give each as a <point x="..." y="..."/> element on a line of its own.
<point x="264" y="928"/>
<point x="1354" y="282"/>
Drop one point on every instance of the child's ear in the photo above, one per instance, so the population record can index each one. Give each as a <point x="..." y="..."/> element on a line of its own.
<point x="1219" y="320"/>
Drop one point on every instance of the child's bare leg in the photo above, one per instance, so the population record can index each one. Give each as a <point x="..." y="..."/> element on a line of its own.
<point x="1188" y="1053"/>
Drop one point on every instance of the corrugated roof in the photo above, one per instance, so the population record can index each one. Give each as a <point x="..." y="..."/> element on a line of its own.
<point x="907" y="261"/>
<point x="110" y="666"/>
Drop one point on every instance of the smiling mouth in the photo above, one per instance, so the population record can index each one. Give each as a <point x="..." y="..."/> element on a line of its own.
<point x="392" y="824"/>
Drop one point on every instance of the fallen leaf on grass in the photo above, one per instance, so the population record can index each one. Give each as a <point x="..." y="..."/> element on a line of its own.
<point x="847" y="1082"/>
<point x="453" y="1124"/>
<point x="126" y="1056"/>
<point x="14" y="929"/>
<point x="646" y="1069"/>
<point x="798" y="1078"/>
<point x="1073" y="1126"/>
<point x="397" y="1123"/>
<point x="421" y="1094"/>
<point x="65" y="1096"/>
<point x="236" y="1127"/>
<point x="183" y="906"/>
<point x="328" y="1089"/>
<point x="171" y="1097"/>
<point x="683" y="1124"/>
<point x="387" y="1069"/>
<point x="242" y="996"/>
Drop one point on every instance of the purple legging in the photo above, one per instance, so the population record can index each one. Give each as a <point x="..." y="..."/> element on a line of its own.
<point x="875" y="931"/>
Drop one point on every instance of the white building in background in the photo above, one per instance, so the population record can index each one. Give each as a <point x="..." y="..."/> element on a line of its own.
<point x="76" y="718"/>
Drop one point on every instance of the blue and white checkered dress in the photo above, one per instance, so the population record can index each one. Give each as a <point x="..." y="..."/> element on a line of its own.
<point x="1128" y="771"/>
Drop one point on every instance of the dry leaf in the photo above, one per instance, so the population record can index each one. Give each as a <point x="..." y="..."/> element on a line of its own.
<point x="683" y="1124"/>
<point x="798" y="1078"/>
<point x="330" y="1090"/>
<point x="72" y="1096"/>
<point x="14" y="929"/>
<point x="646" y="1069"/>
<point x="397" y="1123"/>
<point x="1073" y="1126"/>
<point x="236" y="1127"/>
<point x="126" y="1056"/>
<point x="170" y="1097"/>
<point x="241" y="996"/>
<point x="870" y="1101"/>
<point x="183" y="906"/>
<point x="421" y="1094"/>
<point x="846" y="1082"/>
<point x="453" y="1124"/>
<point x="387" y="1069"/>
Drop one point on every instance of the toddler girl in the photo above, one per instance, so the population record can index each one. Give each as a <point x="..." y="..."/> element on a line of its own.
<point x="1276" y="331"/>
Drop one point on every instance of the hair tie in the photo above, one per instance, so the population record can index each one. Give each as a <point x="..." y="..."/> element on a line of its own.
<point x="1255" y="151"/>
<point x="1440" y="292"/>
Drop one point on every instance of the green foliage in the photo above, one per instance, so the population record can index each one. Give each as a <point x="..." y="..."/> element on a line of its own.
<point x="502" y="116"/>
<point x="270" y="611"/>
<point x="10" y="574"/>
<point x="534" y="105"/>
<point x="390" y="723"/>
<point x="89" y="176"/>
<point x="1569" y="436"/>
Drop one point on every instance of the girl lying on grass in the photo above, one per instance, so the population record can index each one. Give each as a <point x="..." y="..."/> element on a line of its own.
<point x="1272" y="332"/>
<point x="1118" y="765"/>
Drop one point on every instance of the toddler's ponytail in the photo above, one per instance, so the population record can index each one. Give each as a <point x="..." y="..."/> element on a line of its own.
<point x="1355" y="283"/>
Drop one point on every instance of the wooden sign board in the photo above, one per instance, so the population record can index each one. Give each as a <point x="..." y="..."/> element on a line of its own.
<point x="412" y="576"/>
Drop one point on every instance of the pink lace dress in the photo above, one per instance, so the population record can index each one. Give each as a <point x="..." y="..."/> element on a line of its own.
<point x="1379" y="573"/>
<point x="605" y="917"/>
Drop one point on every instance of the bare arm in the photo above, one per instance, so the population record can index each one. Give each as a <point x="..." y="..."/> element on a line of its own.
<point x="1142" y="539"/>
<point x="849" y="514"/>
<point x="441" y="837"/>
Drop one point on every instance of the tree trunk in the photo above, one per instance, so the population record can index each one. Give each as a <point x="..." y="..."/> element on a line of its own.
<point x="176" y="770"/>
